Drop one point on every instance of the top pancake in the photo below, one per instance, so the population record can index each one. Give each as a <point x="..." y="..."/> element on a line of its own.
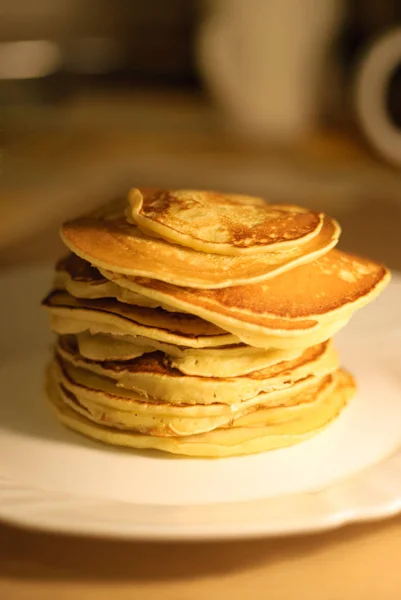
<point x="228" y="224"/>
<point x="105" y="239"/>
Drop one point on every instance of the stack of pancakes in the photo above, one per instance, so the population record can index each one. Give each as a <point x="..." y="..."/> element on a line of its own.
<point x="200" y="324"/>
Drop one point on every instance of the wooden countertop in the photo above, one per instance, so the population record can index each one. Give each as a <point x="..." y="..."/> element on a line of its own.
<point x="355" y="563"/>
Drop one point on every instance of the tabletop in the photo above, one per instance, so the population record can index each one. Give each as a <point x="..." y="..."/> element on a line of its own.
<point x="358" y="562"/>
<point x="355" y="562"/>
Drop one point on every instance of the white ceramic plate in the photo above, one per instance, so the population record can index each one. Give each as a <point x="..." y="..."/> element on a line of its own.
<point x="54" y="479"/>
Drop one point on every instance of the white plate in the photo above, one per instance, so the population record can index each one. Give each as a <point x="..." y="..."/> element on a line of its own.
<point x="54" y="479"/>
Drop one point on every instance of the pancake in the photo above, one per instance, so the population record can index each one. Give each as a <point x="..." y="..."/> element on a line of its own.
<point x="227" y="224"/>
<point x="71" y="315"/>
<point x="153" y="378"/>
<point x="126" y="409"/>
<point x="225" y="441"/>
<point x="105" y="239"/>
<point x="80" y="279"/>
<point x="102" y="346"/>
<point x="295" y="309"/>
<point x="104" y="402"/>
<point x="227" y="361"/>
<point x="199" y="323"/>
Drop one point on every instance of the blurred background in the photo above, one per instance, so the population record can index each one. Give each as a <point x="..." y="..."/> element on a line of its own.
<point x="293" y="100"/>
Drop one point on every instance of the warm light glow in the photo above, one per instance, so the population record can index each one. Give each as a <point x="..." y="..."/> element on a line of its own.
<point x="28" y="59"/>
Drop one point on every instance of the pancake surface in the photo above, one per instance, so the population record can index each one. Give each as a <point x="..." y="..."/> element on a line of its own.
<point x="223" y="441"/>
<point x="105" y="239"/>
<point x="96" y="395"/>
<point x="73" y="315"/>
<point x="151" y="376"/>
<point x="226" y="361"/>
<point x="314" y="300"/>
<point x="80" y="279"/>
<point x="221" y="223"/>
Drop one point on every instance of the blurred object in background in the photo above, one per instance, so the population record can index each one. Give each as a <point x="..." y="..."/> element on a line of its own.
<point x="49" y="49"/>
<point x="278" y="69"/>
<point x="264" y="62"/>
<point x="147" y="40"/>
<point x="369" y="51"/>
<point x="378" y="95"/>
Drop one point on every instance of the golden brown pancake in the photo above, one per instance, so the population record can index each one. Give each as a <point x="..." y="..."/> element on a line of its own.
<point x="127" y="409"/>
<point x="105" y="239"/>
<point x="102" y="346"/>
<point x="73" y="315"/>
<point x="227" y="361"/>
<point x="151" y="376"/>
<point x="225" y="441"/>
<point x="82" y="280"/>
<point x="303" y="306"/>
<point x="199" y="323"/>
<point x="227" y="224"/>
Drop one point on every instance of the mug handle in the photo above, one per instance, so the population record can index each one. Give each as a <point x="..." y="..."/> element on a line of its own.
<point x="372" y="79"/>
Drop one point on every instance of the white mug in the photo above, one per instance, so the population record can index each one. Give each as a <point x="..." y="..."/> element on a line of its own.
<point x="263" y="59"/>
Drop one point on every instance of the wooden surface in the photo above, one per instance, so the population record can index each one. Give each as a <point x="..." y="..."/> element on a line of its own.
<point x="356" y="563"/>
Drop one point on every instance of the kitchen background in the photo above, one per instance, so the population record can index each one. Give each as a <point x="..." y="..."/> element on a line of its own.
<point x="294" y="100"/>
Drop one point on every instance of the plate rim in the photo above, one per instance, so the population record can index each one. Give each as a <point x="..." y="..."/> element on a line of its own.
<point x="357" y="499"/>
